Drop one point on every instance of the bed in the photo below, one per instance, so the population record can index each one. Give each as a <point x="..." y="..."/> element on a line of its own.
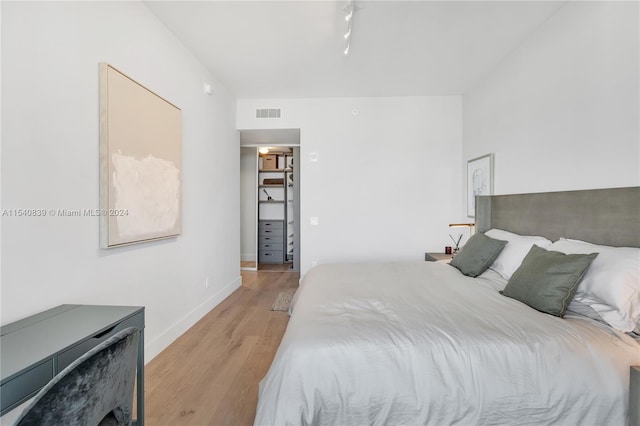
<point x="421" y="343"/>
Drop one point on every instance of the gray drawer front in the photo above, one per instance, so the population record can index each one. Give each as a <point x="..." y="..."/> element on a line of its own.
<point x="270" y="256"/>
<point x="28" y="383"/>
<point x="270" y="224"/>
<point x="67" y="357"/>
<point x="270" y="247"/>
<point x="271" y="232"/>
<point x="270" y="240"/>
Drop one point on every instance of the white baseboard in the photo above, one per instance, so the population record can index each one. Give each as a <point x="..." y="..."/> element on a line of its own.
<point x="248" y="257"/>
<point x="161" y="342"/>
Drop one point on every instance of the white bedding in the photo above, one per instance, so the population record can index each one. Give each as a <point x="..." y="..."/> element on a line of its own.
<point x="419" y="343"/>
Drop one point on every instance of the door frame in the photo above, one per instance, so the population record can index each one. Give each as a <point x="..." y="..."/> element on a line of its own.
<point x="296" y="149"/>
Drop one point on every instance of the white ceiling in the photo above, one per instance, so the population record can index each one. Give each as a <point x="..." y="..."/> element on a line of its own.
<point x="271" y="49"/>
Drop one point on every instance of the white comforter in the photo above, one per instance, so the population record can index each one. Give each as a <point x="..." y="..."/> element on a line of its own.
<point x="419" y="343"/>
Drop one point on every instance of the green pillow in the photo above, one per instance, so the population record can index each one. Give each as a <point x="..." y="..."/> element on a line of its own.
<point x="548" y="280"/>
<point x="477" y="254"/>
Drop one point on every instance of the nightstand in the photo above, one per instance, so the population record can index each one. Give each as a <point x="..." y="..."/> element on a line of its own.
<point x="634" y="396"/>
<point x="437" y="257"/>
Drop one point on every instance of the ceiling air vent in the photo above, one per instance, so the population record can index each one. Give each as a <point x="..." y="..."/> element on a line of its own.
<point x="268" y="113"/>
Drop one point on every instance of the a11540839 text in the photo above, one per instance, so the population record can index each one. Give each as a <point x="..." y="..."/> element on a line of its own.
<point x="63" y="212"/>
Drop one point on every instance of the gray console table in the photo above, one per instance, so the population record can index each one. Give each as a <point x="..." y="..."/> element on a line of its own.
<point x="33" y="350"/>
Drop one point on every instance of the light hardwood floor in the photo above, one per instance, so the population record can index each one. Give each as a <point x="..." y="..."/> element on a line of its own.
<point x="283" y="267"/>
<point x="279" y="267"/>
<point x="210" y="375"/>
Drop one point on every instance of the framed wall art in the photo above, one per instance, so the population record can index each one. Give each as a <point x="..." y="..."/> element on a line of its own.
<point x="140" y="162"/>
<point x="479" y="180"/>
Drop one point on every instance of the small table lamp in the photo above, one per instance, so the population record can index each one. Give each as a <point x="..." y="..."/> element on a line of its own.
<point x="471" y="227"/>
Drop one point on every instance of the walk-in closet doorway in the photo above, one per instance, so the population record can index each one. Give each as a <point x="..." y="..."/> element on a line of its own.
<point x="270" y="200"/>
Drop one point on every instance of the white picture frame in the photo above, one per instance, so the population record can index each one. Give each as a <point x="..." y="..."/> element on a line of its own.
<point x="479" y="180"/>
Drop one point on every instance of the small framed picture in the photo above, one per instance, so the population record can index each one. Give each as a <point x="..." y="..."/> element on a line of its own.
<point x="479" y="180"/>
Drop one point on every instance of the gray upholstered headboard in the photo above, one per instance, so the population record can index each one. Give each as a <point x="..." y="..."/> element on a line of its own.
<point x="601" y="216"/>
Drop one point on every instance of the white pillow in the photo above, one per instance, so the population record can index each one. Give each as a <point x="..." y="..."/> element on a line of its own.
<point x="612" y="285"/>
<point x="515" y="251"/>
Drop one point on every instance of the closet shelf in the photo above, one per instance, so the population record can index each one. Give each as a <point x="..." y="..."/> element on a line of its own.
<point x="275" y="170"/>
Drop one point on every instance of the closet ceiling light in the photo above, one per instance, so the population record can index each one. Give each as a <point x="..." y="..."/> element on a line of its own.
<point x="349" y="10"/>
<point x="263" y="150"/>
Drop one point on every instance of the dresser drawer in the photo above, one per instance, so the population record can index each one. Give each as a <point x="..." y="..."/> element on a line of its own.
<point x="27" y="384"/>
<point x="270" y="224"/>
<point x="270" y="256"/>
<point x="270" y="247"/>
<point x="270" y="239"/>
<point x="271" y="232"/>
<point x="67" y="357"/>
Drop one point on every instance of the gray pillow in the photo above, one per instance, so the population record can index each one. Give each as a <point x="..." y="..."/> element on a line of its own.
<point x="477" y="254"/>
<point x="547" y="280"/>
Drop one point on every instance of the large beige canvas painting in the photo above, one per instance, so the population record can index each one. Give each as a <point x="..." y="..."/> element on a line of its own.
<point x="140" y="162"/>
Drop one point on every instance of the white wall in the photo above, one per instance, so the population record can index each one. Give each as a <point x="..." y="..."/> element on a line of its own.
<point x="562" y="111"/>
<point x="50" y="56"/>
<point x="387" y="180"/>
<point x="248" y="221"/>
